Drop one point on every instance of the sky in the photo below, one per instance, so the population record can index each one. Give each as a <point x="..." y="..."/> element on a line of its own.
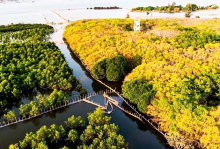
<point x="40" y="5"/>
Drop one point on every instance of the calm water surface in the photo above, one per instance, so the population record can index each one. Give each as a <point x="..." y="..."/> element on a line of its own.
<point x="139" y="135"/>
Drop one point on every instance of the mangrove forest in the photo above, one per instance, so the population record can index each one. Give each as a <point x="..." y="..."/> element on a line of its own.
<point x="28" y="62"/>
<point x="170" y="70"/>
<point x="98" y="132"/>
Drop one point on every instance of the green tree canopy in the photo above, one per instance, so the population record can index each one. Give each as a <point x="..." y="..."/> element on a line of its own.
<point x="98" y="134"/>
<point x="139" y="92"/>
<point x="99" y="69"/>
<point x="116" y="68"/>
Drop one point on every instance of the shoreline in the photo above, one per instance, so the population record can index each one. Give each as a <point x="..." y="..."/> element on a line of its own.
<point x="170" y="12"/>
<point x="126" y="101"/>
<point x="88" y="67"/>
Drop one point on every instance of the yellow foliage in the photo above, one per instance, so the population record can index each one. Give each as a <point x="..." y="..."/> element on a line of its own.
<point x="182" y="77"/>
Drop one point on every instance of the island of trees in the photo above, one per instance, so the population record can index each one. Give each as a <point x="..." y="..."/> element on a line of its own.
<point x="111" y="7"/>
<point x="172" y="8"/>
<point x="19" y="27"/>
<point x="98" y="133"/>
<point x="173" y="71"/>
<point x="29" y="61"/>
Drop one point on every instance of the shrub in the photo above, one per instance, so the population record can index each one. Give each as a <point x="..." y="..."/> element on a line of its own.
<point x="113" y="73"/>
<point x="188" y="14"/>
<point x="116" y="68"/>
<point x="10" y="116"/>
<point x="99" y="69"/>
<point x="75" y="122"/>
<point x="111" y="68"/>
<point x="121" y="62"/>
<point x="127" y="16"/>
<point x="139" y="92"/>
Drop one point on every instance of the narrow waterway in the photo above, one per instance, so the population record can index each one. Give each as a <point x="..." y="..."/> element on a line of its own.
<point x="139" y="135"/>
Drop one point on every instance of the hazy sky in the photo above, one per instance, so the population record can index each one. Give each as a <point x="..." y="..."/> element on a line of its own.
<point x="69" y="4"/>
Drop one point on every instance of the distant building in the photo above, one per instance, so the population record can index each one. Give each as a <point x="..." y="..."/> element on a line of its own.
<point x="137" y="24"/>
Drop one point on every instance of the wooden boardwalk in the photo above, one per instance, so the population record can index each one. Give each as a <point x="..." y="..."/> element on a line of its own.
<point x="130" y="105"/>
<point x="107" y="101"/>
<point x="93" y="103"/>
<point x="137" y="114"/>
<point x="116" y="103"/>
<point x="69" y="102"/>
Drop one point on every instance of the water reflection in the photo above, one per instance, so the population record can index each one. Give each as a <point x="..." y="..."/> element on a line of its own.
<point x="36" y="121"/>
<point x="145" y="136"/>
<point x="130" y="121"/>
<point x="13" y="127"/>
<point x="34" y="124"/>
<point x="138" y="134"/>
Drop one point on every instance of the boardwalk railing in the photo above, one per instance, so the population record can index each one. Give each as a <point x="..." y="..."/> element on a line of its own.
<point x="110" y="101"/>
<point x="137" y="114"/>
<point x="116" y="103"/>
<point x="48" y="110"/>
<point x="131" y="106"/>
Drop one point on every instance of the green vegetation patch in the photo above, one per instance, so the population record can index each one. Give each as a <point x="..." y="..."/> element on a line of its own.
<point x="138" y="92"/>
<point x="175" y="8"/>
<point x="113" y="69"/>
<point x="178" y="61"/>
<point x="99" y="69"/>
<point x="19" y="27"/>
<point x="29" y="61"/>
<point x="37" y="34"/>
<point x="99" y="133"/>
<point x="192" y="37"/>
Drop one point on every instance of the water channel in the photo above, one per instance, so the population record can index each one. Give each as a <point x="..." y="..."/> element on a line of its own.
<point x="137" y="134"/>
